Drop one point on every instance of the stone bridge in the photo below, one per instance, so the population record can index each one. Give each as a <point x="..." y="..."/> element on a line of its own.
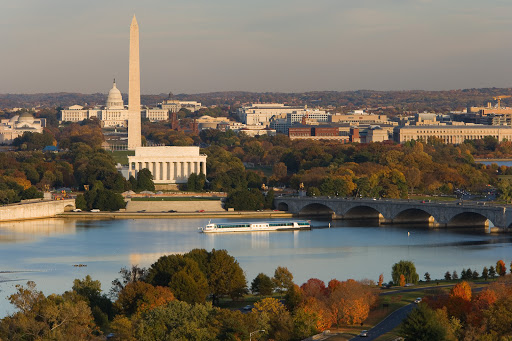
<point x="400" y="211"/>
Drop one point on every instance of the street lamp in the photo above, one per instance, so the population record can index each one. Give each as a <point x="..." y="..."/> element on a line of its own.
<point x="254" y="332"/>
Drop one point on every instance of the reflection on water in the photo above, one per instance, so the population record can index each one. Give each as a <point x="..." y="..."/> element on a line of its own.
<point x="46" y="250"/>
<point x="29" y="230"/>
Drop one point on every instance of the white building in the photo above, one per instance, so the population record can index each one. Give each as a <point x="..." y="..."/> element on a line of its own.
<point x="281" y="125"/>
<point x="262" y="113"/>
<point x="18" y="124"/>
<point x="174" y="105"/>
<point x="168" y="165"/>
<point x="114" y="114"/>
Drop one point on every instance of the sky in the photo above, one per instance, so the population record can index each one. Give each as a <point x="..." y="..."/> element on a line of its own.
<point x="194" y="46"/>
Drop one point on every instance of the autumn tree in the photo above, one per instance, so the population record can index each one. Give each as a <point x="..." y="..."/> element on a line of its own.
<point x="277" y="321"/>
<point x="402" y="280"/>
<point x="350" y="301"/>
<point x="138" y="297"/>
<point x="381" y="280"/>
<point x="459" y="302"/>
<point x="128" y="275"/>
<point x="501" y="269"/>
<point x="314" y="287"/>
<point x="56" y="317"/>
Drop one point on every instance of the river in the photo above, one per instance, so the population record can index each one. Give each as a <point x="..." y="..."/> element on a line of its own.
<point x="45" y="251"/>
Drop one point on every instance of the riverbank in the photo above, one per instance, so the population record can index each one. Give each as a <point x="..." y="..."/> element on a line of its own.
<point x="175" y="215"/>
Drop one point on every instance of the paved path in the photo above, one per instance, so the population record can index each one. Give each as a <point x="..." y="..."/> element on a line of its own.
<point x="389" y="323"/>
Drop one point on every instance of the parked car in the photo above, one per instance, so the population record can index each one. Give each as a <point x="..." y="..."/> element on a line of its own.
<point x="172" y="211"/>
<point x="247" y="307"/>
<point x="417" y="300"/>
<point x="364" y="333"/>
<point x="77" y="210"/>
<point x="95" y="210"/>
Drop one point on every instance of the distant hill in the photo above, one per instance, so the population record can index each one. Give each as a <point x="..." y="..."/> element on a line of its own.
<point x="416" y="100"/>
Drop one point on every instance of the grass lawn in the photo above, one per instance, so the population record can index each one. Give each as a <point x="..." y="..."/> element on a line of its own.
<point x="175" y="199"/>
<point x="121" y="156"/>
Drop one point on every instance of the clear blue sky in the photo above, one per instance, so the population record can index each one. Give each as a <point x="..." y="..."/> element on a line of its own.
<point x="280" y="45"/>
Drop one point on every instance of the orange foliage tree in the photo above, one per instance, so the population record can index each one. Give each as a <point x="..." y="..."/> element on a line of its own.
<point x="314" y="288"/>
<point x="480" y="304"/>
<point x="138" y="297"/>
<point x="459" y="302"/>
<point x="319" y="309"/>
<point x="381" y="280"/>
<point x="350" y="302"/>
<point x="402" y="280"/>
<point x="501" y="269"/>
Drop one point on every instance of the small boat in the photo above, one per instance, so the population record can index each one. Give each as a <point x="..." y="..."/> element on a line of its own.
<point x="256" y="226"/>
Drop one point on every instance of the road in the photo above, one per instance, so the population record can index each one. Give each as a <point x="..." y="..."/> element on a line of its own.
<point x="389" y="323"/>
<point x="395" y="318"/>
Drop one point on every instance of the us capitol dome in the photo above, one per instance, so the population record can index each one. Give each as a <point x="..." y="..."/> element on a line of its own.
<point x="114" y="99"/>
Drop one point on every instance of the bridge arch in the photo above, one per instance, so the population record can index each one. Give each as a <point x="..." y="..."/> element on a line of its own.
<point x="69" y="208"/>
<point x="282" y="206"/>
<point x="316" y="209"/>
<point x="415" y="216"/>
<point x="362" y="212"/>
<point x="469" y="219"/>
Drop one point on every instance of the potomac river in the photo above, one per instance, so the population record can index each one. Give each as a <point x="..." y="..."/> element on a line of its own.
<point x="47" y="251"/>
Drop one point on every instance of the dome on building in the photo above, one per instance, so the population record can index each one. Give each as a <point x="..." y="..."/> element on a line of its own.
<point x="115" y="99"/>
<point x="26" y="117"/>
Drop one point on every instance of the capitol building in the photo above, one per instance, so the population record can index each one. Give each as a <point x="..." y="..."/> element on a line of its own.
<point x="113" y="114"/>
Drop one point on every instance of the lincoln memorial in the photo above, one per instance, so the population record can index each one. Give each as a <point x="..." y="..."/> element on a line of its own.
<point x="168" y="165"/>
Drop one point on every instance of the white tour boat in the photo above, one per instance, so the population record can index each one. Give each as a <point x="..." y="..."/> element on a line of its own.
<point x="256" y="226"/>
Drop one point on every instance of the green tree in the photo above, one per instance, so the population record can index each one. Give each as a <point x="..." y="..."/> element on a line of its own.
<point x="177" y="321"/>
<point x="262" y="285"/>
<point x="485" y="273"/>
<point x="225" y="276"/>
<point x="245" y="200"/>
<point x="283" y="279"/>
<point x="145" y="180"/>
<point x="101" y="306"/>
<point x="406" y="268"/>
<point x="181" y="275"/>
<point x="422" y="325"/>
<point x="492" y="272"/>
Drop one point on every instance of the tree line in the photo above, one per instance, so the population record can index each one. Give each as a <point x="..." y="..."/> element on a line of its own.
<point x="178" y="297"/>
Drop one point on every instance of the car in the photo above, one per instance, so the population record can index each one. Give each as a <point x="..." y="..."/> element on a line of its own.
<point x="417" y="300"/>
<point x="247" y="307"/>
<point x="95" y="210"/>
<point x="364" y="333"/>
<point x="200" y="211"/>
<point x="77" y="210"/>
<point x="172" y="211"/>
<point x="409" y="285"/>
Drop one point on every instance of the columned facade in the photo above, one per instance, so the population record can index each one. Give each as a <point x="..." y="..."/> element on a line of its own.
<point x="168" y="164"/>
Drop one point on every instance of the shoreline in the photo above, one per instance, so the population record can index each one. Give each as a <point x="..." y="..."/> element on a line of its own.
<point x="180" y="215"/>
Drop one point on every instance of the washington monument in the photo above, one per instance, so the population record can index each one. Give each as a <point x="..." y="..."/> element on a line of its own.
<point x="134" y="124"/>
